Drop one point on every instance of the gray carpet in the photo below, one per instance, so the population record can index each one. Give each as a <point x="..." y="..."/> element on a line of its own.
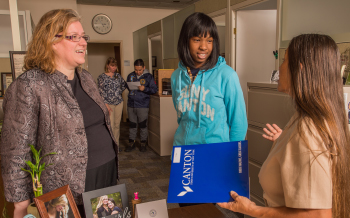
<point x="147" y="173"/>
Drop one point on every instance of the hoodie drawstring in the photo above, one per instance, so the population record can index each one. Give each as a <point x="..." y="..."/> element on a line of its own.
<point x="200" y="101"/>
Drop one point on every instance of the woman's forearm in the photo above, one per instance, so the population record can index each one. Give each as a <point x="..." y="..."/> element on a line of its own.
<point x="20" y="209"/>
<point x="286" y="212"/>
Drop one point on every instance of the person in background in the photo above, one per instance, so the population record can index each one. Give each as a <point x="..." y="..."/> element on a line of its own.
<point x="56" y="106"/>
<point x="111" y="86"/>
<point x="138" y="104"/>
<point x="307" y="170"/>
<point x="206" y="91"/>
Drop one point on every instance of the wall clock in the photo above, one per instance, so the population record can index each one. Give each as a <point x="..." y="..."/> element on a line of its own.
<point x="101" y="23"/>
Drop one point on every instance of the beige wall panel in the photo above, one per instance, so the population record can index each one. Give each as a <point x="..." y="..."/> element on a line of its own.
<point x="169" y="45"/>
<point x="38" y="8"/>
<point x="234" y="2"/>
<point x="126" y="20"/>
<point x="155" y="27"/>
<point x="180" y="18"/>
<point x="141" y="50"/>
<point x="5" y="65"/>
<point x="209" y="6"/>
<point x="171" y="63"/>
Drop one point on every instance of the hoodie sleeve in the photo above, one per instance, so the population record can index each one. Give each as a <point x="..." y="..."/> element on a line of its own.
<point x="235" y="108"/>
<point x="152" y="87"/>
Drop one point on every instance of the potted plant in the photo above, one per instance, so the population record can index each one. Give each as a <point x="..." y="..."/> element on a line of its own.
<point x="35" y="172"/>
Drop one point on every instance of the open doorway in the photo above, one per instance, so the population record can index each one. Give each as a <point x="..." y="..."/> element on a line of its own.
<point x="255" y="41"/>
<point x="155" y="52"/>
<point x="221" y="26"/>
<point x="98" y="53"/>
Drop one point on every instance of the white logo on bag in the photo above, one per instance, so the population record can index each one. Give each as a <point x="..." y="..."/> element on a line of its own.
<point x="188" y="189"/>
<point x="187" y="177"/>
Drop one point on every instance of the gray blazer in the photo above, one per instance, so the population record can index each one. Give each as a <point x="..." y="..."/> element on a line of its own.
<point x="40" y="109"/>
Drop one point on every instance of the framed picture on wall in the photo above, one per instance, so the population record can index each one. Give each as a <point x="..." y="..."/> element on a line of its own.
<point x="57" y="203"/>
<point x="17" y="62"/>
<point x="154" y="61"/>
<point x="6" y="80"/>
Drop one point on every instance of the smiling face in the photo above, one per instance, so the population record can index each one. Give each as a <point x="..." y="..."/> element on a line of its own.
<point x="139" y="70"/>
<point x="59" y="207"/>
<point x="200" y="49"/>
<point x="110" y="204"/>
<point x="284" y="82"/>
<point x="105" y="201"/>
<point x="70" y="54"/>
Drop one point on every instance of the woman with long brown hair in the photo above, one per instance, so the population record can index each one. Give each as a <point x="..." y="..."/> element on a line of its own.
<point x="307" y="170"/>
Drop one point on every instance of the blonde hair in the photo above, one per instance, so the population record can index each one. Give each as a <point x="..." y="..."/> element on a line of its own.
<point x="62" y="200"/>
<point x="40" y="53"/>
<point x="100" y="202"/>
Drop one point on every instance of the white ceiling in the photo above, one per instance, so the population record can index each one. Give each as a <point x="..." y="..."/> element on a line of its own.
<point x="164" y="4"/>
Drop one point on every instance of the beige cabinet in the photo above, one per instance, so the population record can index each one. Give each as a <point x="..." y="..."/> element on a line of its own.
<point x="162" y="124"/>
<point x="265" y="105"/>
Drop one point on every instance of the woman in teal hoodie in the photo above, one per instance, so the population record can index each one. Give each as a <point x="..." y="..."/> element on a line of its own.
<point x="206" y="91"/>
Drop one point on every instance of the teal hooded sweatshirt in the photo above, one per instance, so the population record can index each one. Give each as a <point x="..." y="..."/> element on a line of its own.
<point x="212" y="109"/>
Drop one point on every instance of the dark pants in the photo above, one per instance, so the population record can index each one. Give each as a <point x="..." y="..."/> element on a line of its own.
<point x="138" y="117"/>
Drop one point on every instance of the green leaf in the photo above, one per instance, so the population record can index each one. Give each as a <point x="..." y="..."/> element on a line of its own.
<point x="31" y="165"/>
<point x="27" y="171"/>
<point x="47" y="155"/>
<point x="42" y="167"/>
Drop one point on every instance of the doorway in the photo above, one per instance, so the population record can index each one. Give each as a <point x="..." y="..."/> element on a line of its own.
<point x="155" y="52"/>
<point x="98" y="53"/>
<point x="255" y="42"/>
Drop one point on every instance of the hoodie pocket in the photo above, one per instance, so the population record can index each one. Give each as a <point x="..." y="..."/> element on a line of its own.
<point x="196" y="135"/>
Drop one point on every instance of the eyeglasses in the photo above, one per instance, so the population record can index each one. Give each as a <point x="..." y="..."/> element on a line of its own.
<point x="76" y="37"/>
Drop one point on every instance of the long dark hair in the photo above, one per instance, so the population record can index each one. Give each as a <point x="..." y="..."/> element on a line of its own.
<point x="198" y="24"/>
<point x="317" y="90"/>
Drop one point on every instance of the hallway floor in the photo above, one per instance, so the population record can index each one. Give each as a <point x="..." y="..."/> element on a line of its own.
<point x="146" y="172"/>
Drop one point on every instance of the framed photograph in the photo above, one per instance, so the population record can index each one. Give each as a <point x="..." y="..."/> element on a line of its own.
<point x="6" y="80"/>
<point x="17" y="62"/>
<point x="154" y="61"/>
<point x="57" y="203"/>
<point x="110" y="202"/>
<point x="275" y="76"/>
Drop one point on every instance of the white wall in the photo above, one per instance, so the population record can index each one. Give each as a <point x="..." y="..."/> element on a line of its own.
<point x="125" y="20"/>
<point x="39" y="7"/>
<point x="255" y="41"/>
